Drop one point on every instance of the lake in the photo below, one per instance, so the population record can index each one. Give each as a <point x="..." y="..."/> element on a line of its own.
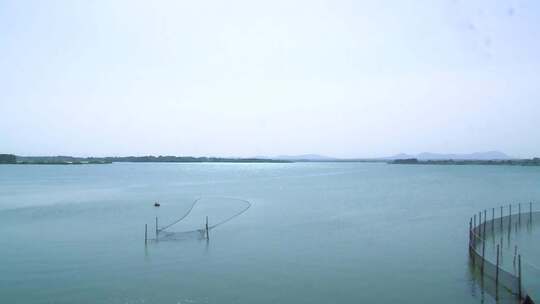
<point x="315" y="232"/>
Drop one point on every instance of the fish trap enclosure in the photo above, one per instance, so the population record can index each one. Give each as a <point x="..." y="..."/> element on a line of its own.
<point x="203" y="215"/>
<point x="496" y="240"/>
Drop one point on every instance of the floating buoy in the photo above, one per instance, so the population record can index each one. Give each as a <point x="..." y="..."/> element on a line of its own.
<point x="156" y="204"/>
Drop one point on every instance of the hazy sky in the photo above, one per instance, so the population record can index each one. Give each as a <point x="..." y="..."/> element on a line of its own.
<point x="245" y="78"/>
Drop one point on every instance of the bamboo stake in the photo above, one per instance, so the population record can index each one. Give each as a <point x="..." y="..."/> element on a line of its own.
<point x="519" y="276"/>
<point x="497" y="269"/>
<point x="207" y="235"/>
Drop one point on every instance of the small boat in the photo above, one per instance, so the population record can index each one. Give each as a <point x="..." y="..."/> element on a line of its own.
<point x="156" y="204"/>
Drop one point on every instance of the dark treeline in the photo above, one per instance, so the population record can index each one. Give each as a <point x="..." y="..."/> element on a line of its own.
<point x="135" y="159"/>
<point x="508" y="162"/>
<point x="70" y="160"/>
<point x="57" y="160"/>
<point x="8" y="159"/>
<point x="190" y="159"/>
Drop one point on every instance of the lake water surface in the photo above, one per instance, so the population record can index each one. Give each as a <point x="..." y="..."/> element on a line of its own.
<point x="315" y="232"/>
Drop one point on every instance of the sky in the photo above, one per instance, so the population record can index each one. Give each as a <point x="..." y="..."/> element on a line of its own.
<point x="247" y="78"/>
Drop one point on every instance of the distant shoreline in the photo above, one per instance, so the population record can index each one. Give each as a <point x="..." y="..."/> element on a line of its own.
<point x="495" y="162"/>
<point x="71" y="160"/>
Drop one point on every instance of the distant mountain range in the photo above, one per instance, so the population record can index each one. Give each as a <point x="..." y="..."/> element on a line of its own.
<point x="489" y="155"/>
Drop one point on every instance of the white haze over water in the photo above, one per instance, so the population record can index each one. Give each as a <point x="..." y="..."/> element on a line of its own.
<point x="245" y="78"/>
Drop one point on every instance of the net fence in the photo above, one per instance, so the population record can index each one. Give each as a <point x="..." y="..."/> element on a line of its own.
<point x="495" y="238"/>
<point x="202" y="216"/>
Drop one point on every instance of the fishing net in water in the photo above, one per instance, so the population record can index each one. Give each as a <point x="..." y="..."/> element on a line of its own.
<point x="531" y="278"/>
<point x="202" y="216"/>
<point x="495" y="262"/>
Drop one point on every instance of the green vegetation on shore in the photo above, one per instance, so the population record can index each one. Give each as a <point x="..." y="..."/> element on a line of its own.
<point x="506" y="162"/>
<point x="8" y="159"/>
<point x="70" y="160"/>
<point x="49" y="160"/>
<point x="191" y="159"/>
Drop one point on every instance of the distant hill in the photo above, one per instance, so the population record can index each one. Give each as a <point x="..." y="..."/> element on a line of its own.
<point x="489" y="155"/>
<point x="400" y="156"/>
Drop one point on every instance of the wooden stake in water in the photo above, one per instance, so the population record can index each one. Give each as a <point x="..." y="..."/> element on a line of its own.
<point x="515" y="254"/>
<point x="484" y="228"/>
<point x="509" y="217"/>
<point x="530" y="213"/>
<point x="480" y="223"/>
<point x="493" y="221"/>
<point x="483" y="245"/>
<point x="470" y="233"/>
<point x="501" y="218"/>
<point x="207" y="235"/>
<point x="145" y="234"/>
<point x="157" y="231"/>
<point x="519" y="213"/>
<point x="519" y="275"/>
<point x="485" y="220"/>
<point x="483" y="255"/>
<point x="497" y="269"/>
<point x="479" y="218"/>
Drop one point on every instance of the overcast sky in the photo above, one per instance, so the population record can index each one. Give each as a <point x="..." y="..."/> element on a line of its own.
<point x="244" y="78"/>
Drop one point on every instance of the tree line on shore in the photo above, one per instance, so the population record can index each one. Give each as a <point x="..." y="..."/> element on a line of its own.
<point x="70" y="160"/>
<point x="509" y="162"/>
<point x="8" y="159"/>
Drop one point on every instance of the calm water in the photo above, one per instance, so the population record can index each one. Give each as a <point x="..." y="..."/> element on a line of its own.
<point x="315" y="233"/>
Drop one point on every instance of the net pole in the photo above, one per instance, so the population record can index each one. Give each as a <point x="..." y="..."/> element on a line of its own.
<point x="515" y="256"/>
<point x="519" y="214"/>
<point x="530" y="212"/>
<point x="509" y="215"/>
<point x="483" y="246"/>
<point x="519" y="276"/>
<point x="492" y="219"/>
<point x="483" y="256"/>
<point x="145" y="234"/>
<point x="470" y="233"/>
<point x="480" y="218"/>
<point x="502" y="245"/>
<point x="156" y="228"/>
<point x="480" y="224"/>
<point x="497" y="269"/>
<point x="501" y="218"/>
<point x="207" y="235"/>
<point x="485" y="220"/>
